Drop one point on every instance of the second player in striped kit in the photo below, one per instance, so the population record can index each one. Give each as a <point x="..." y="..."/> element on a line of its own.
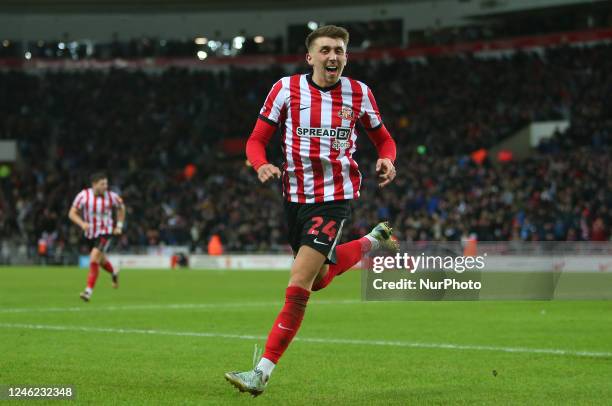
<point x="92" y="211"/>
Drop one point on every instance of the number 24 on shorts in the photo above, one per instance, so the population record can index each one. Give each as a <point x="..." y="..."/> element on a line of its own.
<point x="328" y="229"/>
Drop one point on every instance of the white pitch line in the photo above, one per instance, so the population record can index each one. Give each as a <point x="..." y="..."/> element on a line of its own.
<point x="523" y="350"/>
<point x="179" y="306"/>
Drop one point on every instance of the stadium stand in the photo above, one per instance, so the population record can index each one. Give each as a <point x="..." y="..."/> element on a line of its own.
<point x="145" y="128"/>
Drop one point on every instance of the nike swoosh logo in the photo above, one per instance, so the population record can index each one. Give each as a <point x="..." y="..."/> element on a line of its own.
<point x="280" y="325"/>
<point x="319" y="242"/>
<point x="304" y="108"/>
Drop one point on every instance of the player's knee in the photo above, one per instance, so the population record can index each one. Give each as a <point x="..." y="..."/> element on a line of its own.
<point x="302" y="281"/>
<point x="96" y="256"/>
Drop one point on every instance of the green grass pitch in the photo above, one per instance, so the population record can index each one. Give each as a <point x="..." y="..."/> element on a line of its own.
<point x="167" y="337"/>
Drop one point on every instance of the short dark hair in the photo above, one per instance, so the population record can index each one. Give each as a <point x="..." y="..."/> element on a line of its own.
<point x="96" y="176"/>
<point x="331" y="31"/>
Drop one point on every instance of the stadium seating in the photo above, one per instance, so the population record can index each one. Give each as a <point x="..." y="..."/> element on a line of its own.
<point x="145" y="128"/>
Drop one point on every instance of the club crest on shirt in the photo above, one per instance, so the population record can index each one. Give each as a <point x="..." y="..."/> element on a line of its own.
<point x="346" y="113"/>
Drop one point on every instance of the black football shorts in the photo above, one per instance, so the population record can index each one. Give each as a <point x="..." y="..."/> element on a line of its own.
<point x="102" y="242"/>
<point x="317" y="225"/>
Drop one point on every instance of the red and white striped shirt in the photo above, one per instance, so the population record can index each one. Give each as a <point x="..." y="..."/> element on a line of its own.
<point x="97" y="211"/>
<point x="318" y="135"/>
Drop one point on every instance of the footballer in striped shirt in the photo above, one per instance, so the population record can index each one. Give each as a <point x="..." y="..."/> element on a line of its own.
<point x="92" y="210"/>
<point x="317" y="114"/>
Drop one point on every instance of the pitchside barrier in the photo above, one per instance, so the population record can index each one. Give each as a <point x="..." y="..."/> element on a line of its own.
<point x="494" y="263"/>
<point x="200" y="262"/>
<point x="144" y="261"/>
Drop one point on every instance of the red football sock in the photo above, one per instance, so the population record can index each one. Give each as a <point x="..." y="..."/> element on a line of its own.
<point x="108" y="267"/>
<point x="94" y="269"/>
<point x="347" y="255"/>
<point x="287" y="323"/>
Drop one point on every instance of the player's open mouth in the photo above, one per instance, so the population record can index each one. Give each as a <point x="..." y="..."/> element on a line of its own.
<point x="331" y="69"/>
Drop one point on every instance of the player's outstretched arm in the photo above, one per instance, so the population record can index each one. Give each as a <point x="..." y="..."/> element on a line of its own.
<point x="256" y="151"/>
<point x="74" y="216"/>
<point x="385" y="146"/>
<point x="120" y="219"/>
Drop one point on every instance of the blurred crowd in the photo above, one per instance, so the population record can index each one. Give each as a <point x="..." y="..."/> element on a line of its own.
<point x="560" y="196"/>
<point x="144" y="129"/>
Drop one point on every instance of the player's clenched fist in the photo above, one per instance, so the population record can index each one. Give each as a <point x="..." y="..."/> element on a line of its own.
<point x="386" y="171"/>
<point x="268" y="171"/>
